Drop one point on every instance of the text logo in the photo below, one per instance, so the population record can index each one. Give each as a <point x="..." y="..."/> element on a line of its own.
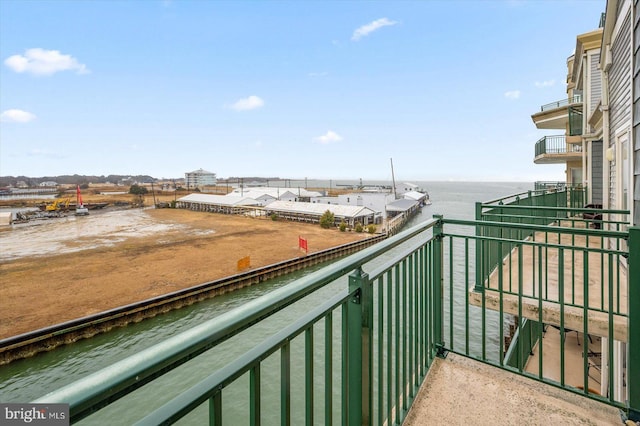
<point x="34" y="414"/>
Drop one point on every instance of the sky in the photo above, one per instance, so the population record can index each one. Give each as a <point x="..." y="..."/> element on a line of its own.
<point x="291" y="89"/>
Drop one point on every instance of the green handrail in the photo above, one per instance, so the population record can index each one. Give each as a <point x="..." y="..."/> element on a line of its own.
<point x="561" y="103"/>
<point x="106" y="386"/>
<point x="633" y="363"/>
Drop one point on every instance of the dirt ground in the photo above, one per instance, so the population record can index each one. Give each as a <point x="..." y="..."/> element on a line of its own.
<point x="40" y="291"/>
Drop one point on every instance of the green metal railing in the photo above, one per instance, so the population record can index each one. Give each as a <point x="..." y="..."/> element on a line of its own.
<point x="393" y="351"/>
<point x="556" y="144"/>
<point x="603" y="16"/>
<point x="575" y="99"/>
<point x="575" y="120"/>
<point x="525" y="338"/>
<point x="549" y="185"/>
<point x="539" y="207"/>
<point x="521" y="288"/>
<point x="361" y="354"/>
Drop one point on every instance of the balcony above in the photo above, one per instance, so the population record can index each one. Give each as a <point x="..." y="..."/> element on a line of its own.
<point x="555" y="115"/>
<point x="556" y="150"/>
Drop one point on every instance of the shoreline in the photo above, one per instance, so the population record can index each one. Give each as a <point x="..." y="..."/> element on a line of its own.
<point x="45" y="339"/>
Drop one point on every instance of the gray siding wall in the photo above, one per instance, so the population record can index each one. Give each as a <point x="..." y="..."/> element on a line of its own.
<point x="636" y="116"/>
<point x="619" y="92"/>
<point x="596" y="172"/>
<point x="596" y="83"/>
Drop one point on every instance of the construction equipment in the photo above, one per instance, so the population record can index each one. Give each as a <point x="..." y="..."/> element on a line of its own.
<point x="81" y="210"/>
<point x="61" y="204"/>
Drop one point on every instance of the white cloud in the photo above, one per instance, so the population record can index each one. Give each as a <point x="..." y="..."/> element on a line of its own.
<point x="512" y="94"/>
<point x="546" y="83"/>
<point x="246" y="104"/>
<point x="329" y="137"/>
<point x="44" y="62"/>
<point x="37" y="152"/>
<point x="367" y="29"/>
<point x="16" y="116"/>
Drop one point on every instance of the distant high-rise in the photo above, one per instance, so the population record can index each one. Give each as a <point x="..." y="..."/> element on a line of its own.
<point x="199" y="178"/>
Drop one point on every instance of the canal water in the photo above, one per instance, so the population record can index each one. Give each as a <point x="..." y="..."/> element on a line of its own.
<point x="26" y="380"/>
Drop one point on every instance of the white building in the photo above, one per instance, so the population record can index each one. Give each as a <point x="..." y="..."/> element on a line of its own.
<point x="217" y="204"/>
<point x="265" y="195"/>
<point x="310" y="212"/>
<point x="199" y="178"/>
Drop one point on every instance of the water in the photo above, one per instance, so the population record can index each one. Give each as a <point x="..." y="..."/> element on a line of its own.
<point x="32" y="196"/>
<point x="29" y="379"/>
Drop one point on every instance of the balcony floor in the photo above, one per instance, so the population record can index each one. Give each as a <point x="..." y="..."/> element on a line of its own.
<point x="460" y="390"/>
<point x="573" y="359"/>
<point x="597" y="286"/>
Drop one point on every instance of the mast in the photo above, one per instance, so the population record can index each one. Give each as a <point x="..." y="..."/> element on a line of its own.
<point x="393" y="179"/>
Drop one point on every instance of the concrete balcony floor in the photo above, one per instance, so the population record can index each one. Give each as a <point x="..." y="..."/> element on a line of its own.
<point x="462" y="391"/>
<point x="540" y="271"/>
<point x="573" y="359"/>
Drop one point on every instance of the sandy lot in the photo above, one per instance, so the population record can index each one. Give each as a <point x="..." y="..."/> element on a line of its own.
<point x="175" y="249"/>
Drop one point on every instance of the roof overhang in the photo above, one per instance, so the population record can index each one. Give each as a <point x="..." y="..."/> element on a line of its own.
<point x="584" y="42"/>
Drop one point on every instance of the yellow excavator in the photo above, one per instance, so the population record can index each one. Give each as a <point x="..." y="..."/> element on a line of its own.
<point x="57" y="205"/>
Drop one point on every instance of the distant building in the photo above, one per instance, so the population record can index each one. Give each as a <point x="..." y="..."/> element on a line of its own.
<point x="267" y="194"/>
<point x="312" y="212"/>
<point x="217" y="204"/>
<point x="199" y="178"/>
<point x="49" y="184"/>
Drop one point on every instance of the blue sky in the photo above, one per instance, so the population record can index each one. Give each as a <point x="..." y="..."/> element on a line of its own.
<point x="295" y="89"/>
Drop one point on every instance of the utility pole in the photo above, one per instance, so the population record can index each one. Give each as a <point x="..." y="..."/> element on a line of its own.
<point x="153" y="192"/>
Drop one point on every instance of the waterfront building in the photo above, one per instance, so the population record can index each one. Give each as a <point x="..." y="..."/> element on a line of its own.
<point x="199" y="178"/>
<point x="268" y="194"/>
<point x="217" y="203"/>
<point x="376" y="201"/>
<point x="312" y="212"/>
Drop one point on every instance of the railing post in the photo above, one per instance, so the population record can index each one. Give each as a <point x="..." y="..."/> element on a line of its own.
<point x="438" y="281"/>
<point x="633" y="367"/>
<point x="478" y="286"/>
<point x="360" y="326"/>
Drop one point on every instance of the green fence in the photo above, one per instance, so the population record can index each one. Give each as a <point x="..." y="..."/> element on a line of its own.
<point x="524" y="341"/>
<point x="543" y="206"/>
<point x="361" y="354"/>
<point x="385" y="324"/>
